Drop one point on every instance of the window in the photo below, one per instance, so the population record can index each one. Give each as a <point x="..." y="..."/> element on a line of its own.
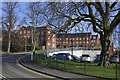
<point x="76" y="42"/>
<point x="87" y="38"/>
<point x="66" y="38"/>
<point x="66" y="42"/>
<point x="53" y="35"/>
<point x="28" y="36"/>
<point x="80" y="38"/>
<point x="53" y="40"/>
<point x="48" y="32"/>
<point x="20" y="32"/>
<point x="0" y="39"/>
<point x="24" y="36"/>
<point x="57" y="42"/>
<point x="83" y="41"/>
<point x="28" y="32"/>
<point x="24" y="32"/>
<point x="48" y="44"/>
<point x="41" y="33"/>
<point x="92" y="41"/>
<point x="48" y="37"/>
<point x="94" y="37"/>
<point x="53" y="45"/>
<point x="83" y="38"/>
<point x="76" y="38"/>
<point x="87" y="42"/>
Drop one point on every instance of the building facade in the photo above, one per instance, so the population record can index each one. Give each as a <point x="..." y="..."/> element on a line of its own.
<point x="77" y="40"/>
<point x="44" y="38"/>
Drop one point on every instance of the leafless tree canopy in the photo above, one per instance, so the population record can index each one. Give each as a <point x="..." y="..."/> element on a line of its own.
<point x="9" y="19"/>
<point x="102" y="16"/>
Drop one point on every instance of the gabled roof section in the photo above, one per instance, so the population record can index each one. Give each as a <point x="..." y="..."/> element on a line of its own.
<point x="73" y="35"/>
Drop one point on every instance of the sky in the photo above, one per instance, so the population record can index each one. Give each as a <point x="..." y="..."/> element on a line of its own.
<point x="55" y="0"/>
<point x="0" y="15"/>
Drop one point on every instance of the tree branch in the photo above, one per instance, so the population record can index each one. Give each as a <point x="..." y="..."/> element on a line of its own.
<point x="112" y="6"/>
<point x="93" y="20"/>
<point x="99" y="8"/>
<point x="115" y="22"/>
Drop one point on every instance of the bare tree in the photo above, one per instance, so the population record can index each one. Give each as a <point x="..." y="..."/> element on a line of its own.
<point x="33" y="14"/>
<point x="103" y="17"/>
<point x="9" y="19"/>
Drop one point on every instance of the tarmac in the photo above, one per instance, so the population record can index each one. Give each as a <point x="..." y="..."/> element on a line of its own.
<point x="26" y="62"/>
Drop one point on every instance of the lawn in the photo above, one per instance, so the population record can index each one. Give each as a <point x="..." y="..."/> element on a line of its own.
<point x="80" y="68"/>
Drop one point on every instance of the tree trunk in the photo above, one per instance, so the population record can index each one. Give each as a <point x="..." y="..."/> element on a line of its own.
<point x="105" y="43"/>
<point x="33" y="47"/>
<point x="33" y="40"/>
<point x="9" y="42"/>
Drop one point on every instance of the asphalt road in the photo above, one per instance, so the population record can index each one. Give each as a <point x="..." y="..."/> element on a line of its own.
<point x="12" y="70"/>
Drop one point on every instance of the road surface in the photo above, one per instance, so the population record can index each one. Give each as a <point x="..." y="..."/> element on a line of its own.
<point x="12" y="70"/>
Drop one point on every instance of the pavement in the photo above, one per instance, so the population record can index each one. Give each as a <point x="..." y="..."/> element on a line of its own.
<point x="26" y="62"/>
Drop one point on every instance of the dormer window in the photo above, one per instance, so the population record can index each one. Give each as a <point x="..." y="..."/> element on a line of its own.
<point x="94" y="37"/>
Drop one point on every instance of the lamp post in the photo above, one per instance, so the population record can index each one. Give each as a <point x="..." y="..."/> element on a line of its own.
<point x="25" y="38"/>
<point x="72" y="45"/>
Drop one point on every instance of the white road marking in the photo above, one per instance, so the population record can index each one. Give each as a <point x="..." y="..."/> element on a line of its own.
<point x="1" y="76"/>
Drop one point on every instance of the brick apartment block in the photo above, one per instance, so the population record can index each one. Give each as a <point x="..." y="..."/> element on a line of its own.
<point x="46" y="39"/>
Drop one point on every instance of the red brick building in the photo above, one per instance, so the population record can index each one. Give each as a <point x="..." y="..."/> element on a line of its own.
<point x="77" y="40"/>
<point x="44" y="38"/>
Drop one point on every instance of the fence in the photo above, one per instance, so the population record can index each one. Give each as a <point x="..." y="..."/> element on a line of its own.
<point x="76" y="67"/>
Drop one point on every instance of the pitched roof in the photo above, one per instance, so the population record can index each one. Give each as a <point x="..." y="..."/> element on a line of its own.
<point x="72" y="35"/>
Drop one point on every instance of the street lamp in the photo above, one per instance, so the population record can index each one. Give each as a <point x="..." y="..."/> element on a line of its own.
<point x="72" y="45"/>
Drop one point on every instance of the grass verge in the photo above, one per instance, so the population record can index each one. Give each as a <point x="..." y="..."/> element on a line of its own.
<point x="80" y="68"/>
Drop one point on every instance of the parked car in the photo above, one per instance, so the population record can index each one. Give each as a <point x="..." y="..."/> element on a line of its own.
<point x="75" y="58"/>
<point x="97" y="58"/>
<point x="54" y="56"/>
<point x="62" y="56"/>
<point x="114" y="59"/>
<point x="86" y="57"/>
